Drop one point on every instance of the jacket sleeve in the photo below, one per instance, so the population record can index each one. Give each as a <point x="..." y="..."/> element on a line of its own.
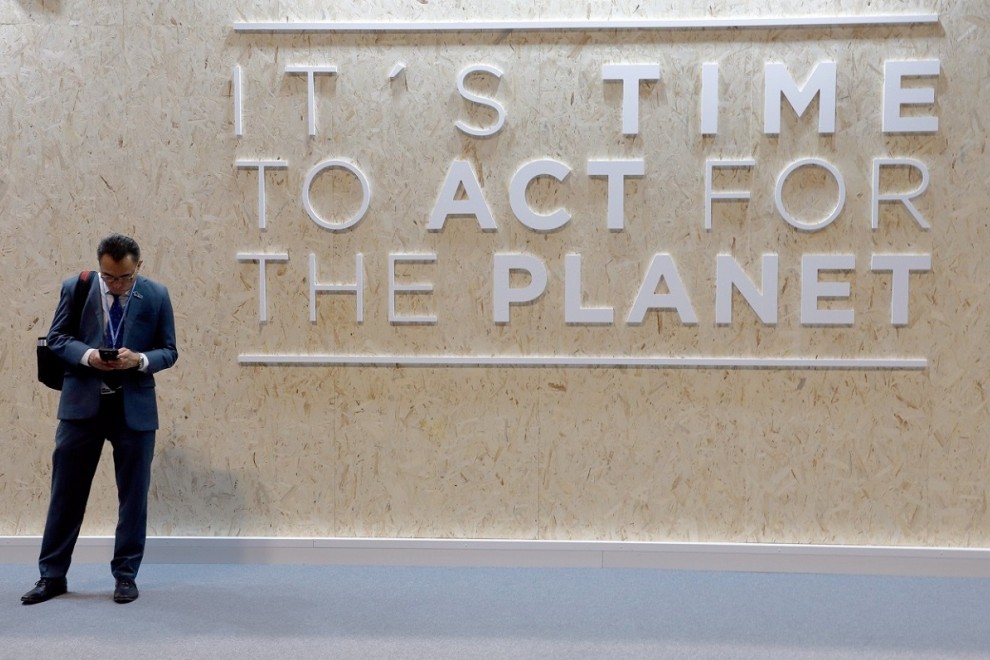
<point x="62" y="336"/>
<point x="164" y="352"/>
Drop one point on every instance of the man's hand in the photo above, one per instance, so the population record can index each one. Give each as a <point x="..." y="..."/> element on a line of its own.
<point x="126" y="359"/>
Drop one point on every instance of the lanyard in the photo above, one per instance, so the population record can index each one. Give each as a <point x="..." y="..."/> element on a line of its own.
<point x="115" y="332"/>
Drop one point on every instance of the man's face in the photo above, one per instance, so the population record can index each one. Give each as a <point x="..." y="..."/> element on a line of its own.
<point x="119" y="275"/>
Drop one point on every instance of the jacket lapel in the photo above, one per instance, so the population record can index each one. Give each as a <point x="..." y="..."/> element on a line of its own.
<point x="135" y="300"/>
<point x="91" y="322"/>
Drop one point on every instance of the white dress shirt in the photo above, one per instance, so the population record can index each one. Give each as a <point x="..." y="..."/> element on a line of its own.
<point x="107" y="301"/>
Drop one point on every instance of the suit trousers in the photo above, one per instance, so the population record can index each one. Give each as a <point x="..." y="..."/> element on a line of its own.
<point x="78" y="445"/>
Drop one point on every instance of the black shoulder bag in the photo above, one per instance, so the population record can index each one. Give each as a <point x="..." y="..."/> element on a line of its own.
<point x="51" y="368"/>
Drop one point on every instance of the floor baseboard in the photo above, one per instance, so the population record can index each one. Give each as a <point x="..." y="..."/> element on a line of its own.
<point x="747" y="557"/>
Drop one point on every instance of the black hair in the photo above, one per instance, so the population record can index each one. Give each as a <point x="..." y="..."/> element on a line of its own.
<point x="118" y="247"/>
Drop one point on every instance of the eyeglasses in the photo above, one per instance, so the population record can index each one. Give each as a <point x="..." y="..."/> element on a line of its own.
<point x="113" y="279"/>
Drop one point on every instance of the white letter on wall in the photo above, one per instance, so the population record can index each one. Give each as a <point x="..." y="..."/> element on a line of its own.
<point x="310" y="72"/>
<point x="710" y="166"/>
<point x="895" y="96"/>
<point x="517" y="195"/>
<point x="365" y="194"/>
<point x="900" y="266"/>
<point x="778" y="194"/>
<point x="905" y="197"/>
<point x="238" y="102"/>
<point x="709" y="98"/>
<point x="729" y="274"/>
<point x="480" y="100"/>
<point x="662" y="269"/>
<point x="461" y="175"/>
<point x="616" y="171"/>
<point x="394" y="288"/>
<point x="631" y="76"/>
<point x="812" y="289"/>
<point x="262" y="259"/>
<point x="505" y="294"/>
<point x="573" y="311"/>
<point x="357" y="288"/>
<point x="780" y="83"/>
<point x="261" y="166"/>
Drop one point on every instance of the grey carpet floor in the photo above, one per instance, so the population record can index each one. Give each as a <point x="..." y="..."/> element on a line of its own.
<point x="290" y="611"/>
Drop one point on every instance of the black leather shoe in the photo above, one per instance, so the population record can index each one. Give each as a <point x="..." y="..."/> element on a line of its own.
<point x="45" y="589"/>
<point x="125" y="592"/>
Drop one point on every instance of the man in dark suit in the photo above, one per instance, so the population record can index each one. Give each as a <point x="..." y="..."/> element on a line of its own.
<point x="106" y="398"/>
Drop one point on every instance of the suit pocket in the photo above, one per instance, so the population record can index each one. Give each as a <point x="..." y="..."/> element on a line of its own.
<point x="145" y="381"/>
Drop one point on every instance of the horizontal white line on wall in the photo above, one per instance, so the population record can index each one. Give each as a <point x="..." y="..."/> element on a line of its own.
<point x="709" y="23"/>
<point x="746" y="557"/>
<point x="686" y="362"/>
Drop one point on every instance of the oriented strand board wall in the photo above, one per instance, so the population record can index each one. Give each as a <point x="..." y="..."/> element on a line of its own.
<point x="119" y="116"/>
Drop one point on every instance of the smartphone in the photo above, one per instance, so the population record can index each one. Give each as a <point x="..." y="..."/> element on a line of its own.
<point x="108" y="354"/>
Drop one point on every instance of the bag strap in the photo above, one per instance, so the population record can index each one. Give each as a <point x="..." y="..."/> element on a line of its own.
<point x="79" y="293"/>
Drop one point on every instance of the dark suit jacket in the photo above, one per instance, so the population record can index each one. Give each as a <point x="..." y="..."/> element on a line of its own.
<point x="149" y="328"/>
